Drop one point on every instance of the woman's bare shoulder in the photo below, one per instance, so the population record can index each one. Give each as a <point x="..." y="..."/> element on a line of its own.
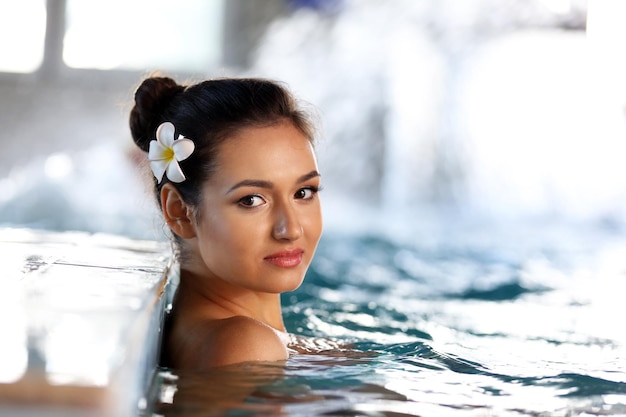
<point x="222" y="342"/>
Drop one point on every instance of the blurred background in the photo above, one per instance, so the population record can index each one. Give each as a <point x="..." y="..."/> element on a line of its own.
<point x="496" y="110"/>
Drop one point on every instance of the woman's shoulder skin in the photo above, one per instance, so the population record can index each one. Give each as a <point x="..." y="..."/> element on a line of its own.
<point x="220" y="342"/>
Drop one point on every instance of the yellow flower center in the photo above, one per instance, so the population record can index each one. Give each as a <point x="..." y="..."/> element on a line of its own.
<point x="169" y="154"/>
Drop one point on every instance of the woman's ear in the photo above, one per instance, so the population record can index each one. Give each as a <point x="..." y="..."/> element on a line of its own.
<point x="178" y="215"/>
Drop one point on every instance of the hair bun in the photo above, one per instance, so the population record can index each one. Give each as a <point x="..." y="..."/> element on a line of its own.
<point x="152" y="99"/>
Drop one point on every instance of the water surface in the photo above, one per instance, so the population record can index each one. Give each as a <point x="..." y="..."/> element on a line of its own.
<point x="524" y="322"/>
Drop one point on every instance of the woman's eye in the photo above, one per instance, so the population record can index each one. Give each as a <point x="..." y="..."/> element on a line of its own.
<point x="251" y="201"/>
<point x="306" y="193"/>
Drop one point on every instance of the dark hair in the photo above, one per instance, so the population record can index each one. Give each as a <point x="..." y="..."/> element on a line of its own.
<point x="208" y="113"/>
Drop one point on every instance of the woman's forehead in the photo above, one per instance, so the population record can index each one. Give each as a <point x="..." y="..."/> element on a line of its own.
<point x="266" y="152"/>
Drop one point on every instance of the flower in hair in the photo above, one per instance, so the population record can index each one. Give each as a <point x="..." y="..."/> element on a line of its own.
<point x="165" y="152"/>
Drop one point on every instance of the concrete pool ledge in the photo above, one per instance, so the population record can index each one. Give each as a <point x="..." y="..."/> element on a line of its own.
<point x="81" y="318"/>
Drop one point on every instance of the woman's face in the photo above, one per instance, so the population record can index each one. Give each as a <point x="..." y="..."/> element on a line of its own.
<point x="260" y="218"/>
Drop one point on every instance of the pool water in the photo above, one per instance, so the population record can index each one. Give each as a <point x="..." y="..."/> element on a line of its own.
<point x="482" y="322"/>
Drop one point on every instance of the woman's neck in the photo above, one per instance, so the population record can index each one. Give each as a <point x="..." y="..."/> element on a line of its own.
<point x="214" y="298"/>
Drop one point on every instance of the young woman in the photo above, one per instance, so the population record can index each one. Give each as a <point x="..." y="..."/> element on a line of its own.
<point x="237" y="181"/>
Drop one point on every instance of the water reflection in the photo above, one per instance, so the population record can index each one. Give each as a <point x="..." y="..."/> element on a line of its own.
<point x="218" y="391"/>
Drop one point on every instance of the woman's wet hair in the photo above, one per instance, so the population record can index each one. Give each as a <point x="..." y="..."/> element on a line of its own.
<point x="209" y="113"/>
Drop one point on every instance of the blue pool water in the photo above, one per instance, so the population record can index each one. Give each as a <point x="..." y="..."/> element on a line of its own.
<point x="440" y="322"/>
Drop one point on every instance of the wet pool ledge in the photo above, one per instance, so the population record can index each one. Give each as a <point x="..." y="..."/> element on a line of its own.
<point x="80" y="321"/>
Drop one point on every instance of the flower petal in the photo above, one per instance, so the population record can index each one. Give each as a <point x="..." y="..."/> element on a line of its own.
<point x="158" y="168"/>
<point x="174" y="173"/>
<point x="183" y="148"/>
<point x="157" y="151"/>
<point x="165" y="133"/>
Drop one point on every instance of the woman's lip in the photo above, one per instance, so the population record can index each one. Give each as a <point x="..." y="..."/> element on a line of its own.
<point x="285" y="258"/>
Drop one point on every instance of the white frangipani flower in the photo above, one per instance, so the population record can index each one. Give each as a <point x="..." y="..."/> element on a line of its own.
<point x="165" y="152"/>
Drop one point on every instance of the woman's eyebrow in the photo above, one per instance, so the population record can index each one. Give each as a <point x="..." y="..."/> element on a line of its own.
<point x="308" y="176"/>
<point x="251" y="183"/>
<point x="269" y="184"/>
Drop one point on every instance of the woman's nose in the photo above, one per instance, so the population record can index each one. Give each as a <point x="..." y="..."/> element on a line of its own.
<point x="287" y="225"/>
